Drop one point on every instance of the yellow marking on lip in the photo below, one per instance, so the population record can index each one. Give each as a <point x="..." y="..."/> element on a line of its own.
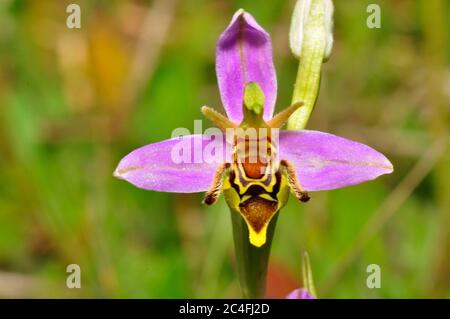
<point x="243" y="189"/>
<point x="257" y="213"/>
<point x="257" y="239"/>
<point x="266" y="196"/>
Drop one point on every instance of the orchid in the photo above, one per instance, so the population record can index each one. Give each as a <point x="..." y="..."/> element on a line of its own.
<point x="300" y="161"/>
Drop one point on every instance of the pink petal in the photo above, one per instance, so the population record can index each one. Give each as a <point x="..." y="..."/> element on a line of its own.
<point x="244" y="54"/>
<point x="300" y="293"/>
<point x="154" y="167"/>
<point x="325" y="161"/>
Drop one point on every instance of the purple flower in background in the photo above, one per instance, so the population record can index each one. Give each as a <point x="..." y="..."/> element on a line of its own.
<point x="308" y="291"/>
<point x="300" y="293"/>
<point x="299" y="161"/>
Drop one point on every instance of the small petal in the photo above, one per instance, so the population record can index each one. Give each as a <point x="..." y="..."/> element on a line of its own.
<point x="325" y="161"/>
<point x="300" y="293"/>
<point x="181" y="165"/>
<point x="244" y="54"/>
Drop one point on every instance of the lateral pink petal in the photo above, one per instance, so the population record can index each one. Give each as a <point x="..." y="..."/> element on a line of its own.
<point x="180" y="165"/>
<point x="325" y="161"/>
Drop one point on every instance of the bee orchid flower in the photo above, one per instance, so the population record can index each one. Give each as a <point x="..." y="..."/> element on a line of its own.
<point x="288" y="161"/>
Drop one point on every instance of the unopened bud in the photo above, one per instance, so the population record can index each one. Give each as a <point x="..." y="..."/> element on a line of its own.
<point x="316" y="16"/>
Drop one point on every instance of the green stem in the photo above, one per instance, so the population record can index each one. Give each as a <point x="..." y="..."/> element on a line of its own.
<point x="307" y="82"/>
<point x="251" y="261"/>
<point x="307" y="277"/>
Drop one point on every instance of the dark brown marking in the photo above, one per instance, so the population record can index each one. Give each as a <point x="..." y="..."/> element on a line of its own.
<point x="258" y="211"/>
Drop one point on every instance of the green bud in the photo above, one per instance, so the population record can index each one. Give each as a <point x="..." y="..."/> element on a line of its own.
<point x="254" y="98"/>
<point x="253" y="106"/>
<point x="311" y="40"/>
<point x="314" y="17"/>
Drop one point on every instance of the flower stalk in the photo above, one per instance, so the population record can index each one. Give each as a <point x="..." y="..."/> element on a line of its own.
<point x="307" y="291"/>
<point x="251" y="261"/>
<point x="307" y="277"/>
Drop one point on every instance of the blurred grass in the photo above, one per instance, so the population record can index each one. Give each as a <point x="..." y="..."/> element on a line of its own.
<point x="66" y="118"/>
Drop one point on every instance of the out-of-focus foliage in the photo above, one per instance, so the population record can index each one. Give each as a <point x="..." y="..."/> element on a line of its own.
<point x="74" y="101"/>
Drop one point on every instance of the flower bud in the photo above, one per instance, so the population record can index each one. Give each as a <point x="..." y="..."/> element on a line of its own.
<point x="317" y="17"/>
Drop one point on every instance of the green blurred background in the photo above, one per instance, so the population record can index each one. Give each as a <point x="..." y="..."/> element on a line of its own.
<point x="73" y="102"/>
